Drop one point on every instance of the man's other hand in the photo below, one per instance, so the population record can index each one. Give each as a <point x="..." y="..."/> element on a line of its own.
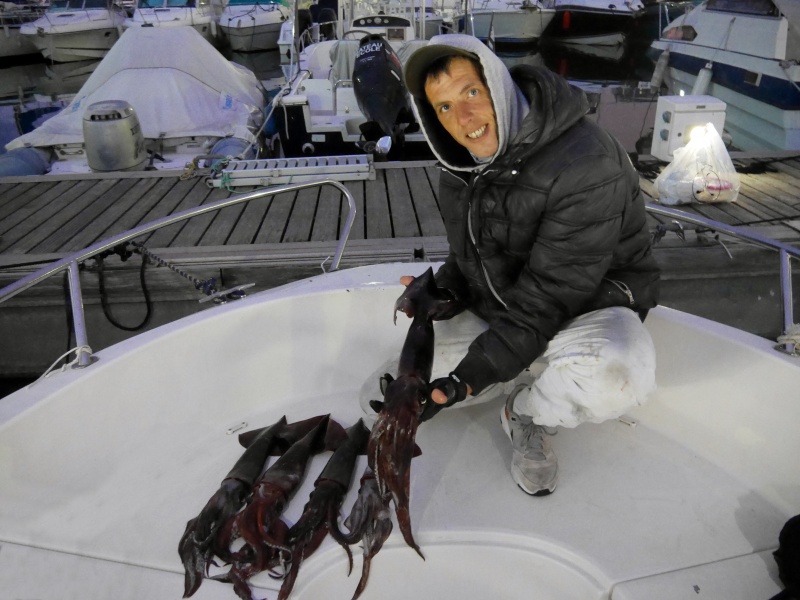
<point x="444" y="392"/>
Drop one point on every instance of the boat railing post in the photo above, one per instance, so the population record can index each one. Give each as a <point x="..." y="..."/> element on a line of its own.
<point x="84" y="355"/>
<point x="351" y="217"/>
<point x="786" y="296"/>
<point x="786" y="253"/>
<point x="338" y="84"/>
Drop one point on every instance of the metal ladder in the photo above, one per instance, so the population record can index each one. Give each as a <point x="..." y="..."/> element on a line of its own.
<point x="282" y="171"/>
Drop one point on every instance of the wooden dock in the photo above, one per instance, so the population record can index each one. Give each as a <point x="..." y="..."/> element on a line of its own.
<point x="288" y="236"/>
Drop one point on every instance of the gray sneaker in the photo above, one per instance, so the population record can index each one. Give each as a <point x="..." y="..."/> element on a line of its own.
<point x="534" y="466"/>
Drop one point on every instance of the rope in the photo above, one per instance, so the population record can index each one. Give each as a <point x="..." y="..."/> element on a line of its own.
<point x="285" y="89"/>
<point x="77" y="350"/>
<point x="792" y="336"/>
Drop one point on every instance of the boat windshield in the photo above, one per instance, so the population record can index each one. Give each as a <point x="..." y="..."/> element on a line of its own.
<point x="67" y="4"/>
<point x="749" y="7"/>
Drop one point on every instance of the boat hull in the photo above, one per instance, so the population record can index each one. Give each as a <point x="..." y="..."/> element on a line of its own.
<point x="204" y="21"/>
<point x="104" y="466"/>
<point x="747" y="59"/>
<point x="579" y="25"/>
<point x="76" y="45"/>
<point x="519" y="27"/>
<point x="253" y="28"/>
<point x="758" y="117"/>
<point x="73" y="36"/>
<point x="248" y="38"/>
<point x="301" y="134"/>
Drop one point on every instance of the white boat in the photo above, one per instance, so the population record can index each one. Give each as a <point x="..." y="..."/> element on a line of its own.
<point x="683" y="497"/>
<point x="745" y="54"/>
<point x="510" y="21"/>
<point x="318" y="113"/>
<point x="253" y="26"/>
<point x="436" y="21"/>
<point x="149" y="110"/>
<point x="593" y="22"/>
<point x="12" y="16"/>
<point x="396" y="20"/>
<point x="73" y="30"/>
<point x="202" y="15"/>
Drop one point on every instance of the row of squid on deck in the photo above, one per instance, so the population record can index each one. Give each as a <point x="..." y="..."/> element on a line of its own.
<point x="250" y="500"/>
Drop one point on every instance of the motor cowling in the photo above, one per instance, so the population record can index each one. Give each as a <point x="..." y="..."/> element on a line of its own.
<point x="113" y="137"/>
<point x="378" y="85"/>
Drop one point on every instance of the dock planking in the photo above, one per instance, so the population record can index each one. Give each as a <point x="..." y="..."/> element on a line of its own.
<point x="57" y="217"/>
<point x="287" y="236"/>
<point x="48" y="216"/>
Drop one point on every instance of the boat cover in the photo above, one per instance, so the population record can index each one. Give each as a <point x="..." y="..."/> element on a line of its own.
<point x="791" y="10"/>
<point x="178" y="84"/>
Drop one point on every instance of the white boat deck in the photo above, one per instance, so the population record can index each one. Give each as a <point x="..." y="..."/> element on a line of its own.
<point x="683" y="498"/>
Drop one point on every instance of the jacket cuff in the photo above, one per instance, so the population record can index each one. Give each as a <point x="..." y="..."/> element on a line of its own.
<point x="476" y="372"/>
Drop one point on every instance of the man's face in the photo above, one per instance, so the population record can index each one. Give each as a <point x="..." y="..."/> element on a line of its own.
<point x="464" y="107"/>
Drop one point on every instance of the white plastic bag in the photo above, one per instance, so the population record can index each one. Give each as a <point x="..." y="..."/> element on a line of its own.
<point x="700" y="171"/>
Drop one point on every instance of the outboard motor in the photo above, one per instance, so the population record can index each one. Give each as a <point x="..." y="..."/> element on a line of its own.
<point x="113" y="137"/>
<point x="380" y="91"/>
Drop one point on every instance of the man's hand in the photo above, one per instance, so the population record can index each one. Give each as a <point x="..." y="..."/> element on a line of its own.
<point x="444" y="392"/>
<point x="406" y="279"/>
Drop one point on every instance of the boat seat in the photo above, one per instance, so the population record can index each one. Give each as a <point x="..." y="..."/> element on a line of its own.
<point x="408" y="48"/>
<point x="343" y="58"/>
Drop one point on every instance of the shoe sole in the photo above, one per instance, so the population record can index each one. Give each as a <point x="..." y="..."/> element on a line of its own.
<point x="515" y="474"/>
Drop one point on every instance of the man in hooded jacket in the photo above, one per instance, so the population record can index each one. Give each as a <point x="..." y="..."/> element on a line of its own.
<point x="548" y="244"/>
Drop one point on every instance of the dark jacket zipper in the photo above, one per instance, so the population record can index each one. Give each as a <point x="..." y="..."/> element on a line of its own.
<point x="624" y="289"/>
<point x="475" y="243"/>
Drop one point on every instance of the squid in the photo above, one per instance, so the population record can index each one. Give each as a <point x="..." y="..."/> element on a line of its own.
<point x="196" y="544"/>
<point x="259" y="524"/>
<point x="200" y="539"/>
<point x="370" y="522"/>
<point x="391" y="445"/>
<point x="321" y="512"/>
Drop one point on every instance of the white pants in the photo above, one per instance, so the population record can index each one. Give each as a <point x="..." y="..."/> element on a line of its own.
<point x="597" y="367"/>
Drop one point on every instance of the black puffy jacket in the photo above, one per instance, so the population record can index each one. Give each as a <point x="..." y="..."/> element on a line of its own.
<point x="553" y="228"/>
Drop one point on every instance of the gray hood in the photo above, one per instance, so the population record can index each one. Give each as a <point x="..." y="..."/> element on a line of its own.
<point x="510" y="106"/>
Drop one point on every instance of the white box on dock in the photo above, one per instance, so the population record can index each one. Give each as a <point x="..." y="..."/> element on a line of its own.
<point x="677" y="115"/>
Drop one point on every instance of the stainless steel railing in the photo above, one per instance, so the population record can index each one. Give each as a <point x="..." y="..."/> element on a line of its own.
<point x="72" y="261"/>
<point x="785" y="252"/>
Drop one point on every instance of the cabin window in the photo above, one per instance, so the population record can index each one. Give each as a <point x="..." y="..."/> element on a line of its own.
<point x="395" y="34"/>
<point x="96" y="4"/>
<point x="752" y="78"/>
<point x="749" y="7"/>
